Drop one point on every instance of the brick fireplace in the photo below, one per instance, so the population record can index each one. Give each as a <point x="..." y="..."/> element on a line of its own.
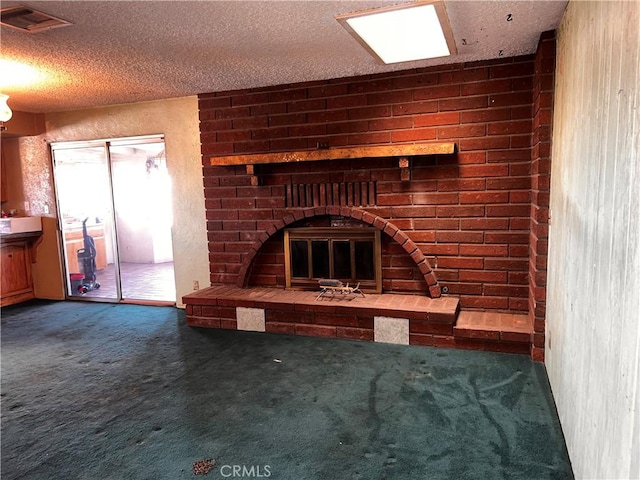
<point x="471" y="223"/>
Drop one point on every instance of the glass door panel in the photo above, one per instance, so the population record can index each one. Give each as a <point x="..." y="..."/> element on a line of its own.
<point x="143" y="217"/>
<point x="84" y="204"/>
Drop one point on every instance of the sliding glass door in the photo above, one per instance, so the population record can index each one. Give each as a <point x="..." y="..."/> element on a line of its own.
<point x="114" y="206"/>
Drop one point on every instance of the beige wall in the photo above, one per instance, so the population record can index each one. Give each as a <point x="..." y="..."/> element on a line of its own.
<point x="593" y="309"/>
<point x="177" y="120"/>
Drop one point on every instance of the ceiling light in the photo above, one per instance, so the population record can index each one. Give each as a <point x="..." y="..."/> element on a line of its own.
<point x="17" y="75"/>
<point x="403" y="33"/>
<point x="5" y="111"/>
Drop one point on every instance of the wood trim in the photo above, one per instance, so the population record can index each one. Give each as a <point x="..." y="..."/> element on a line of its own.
<point x="443" y="148"/>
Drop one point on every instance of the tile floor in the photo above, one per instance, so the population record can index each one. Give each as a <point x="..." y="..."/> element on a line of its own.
<point x="140" y="281"/>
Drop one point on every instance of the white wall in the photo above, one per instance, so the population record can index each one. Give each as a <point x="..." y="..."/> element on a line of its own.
<point x="177" y="119"/>
<point x="593" y="308"/>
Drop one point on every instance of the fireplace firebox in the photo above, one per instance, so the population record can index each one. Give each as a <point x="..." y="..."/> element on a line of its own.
<point x="351" y="255"/>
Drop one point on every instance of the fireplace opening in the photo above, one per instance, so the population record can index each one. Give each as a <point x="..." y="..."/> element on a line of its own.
<point x="351" y="255"/>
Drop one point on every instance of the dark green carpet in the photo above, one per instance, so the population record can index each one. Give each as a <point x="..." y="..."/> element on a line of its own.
<point x="102" y="391"/>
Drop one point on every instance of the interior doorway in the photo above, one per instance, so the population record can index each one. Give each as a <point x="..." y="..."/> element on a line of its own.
<point x="114" y="208"/>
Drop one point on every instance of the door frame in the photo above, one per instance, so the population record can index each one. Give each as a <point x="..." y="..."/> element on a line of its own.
<point x="105" y="144"/>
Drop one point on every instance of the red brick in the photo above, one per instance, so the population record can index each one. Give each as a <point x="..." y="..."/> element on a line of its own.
<point x="485" y="171"/>
<point x="460" y="262"/>
<point x="462" y="184"/>
<point x="482" y="276"/>
<point x="219" y="312"/>
<point x="203" y="322"/>
<point x="511" y="70"/>
<point x="355" y="333"/>
<point x="510" y="99"/>
<point x="509" y="290"/>
<point x="489" y="86"/>
<point x="512" y="155"/>
<point x="413" y="108"/>
<point x="485" y="143"/>
<point x="315" y="330"/>
<point x="390" y="123"/>
<point x="484" y="197"/>
<point x="537" y="354"/>
<point x="418" y="339"/>
<point x="413" y="135"/>
<point x="443" y="341"/>
<point x="466" y="103"/>
<point x="228" y="324"/>
<point x="511" y="183"/>
<point x="436" y="224"/>
<point x="340" y="320"/>
<point x="464" y="158"/>
<point x="505" y="264"/>
<point x="217" y="149"/>
<point x="506" y="237"/>
<point x="325" y="91"/>
<point x="464" y="288"/>
<point x="461" y="131"/>
<point x="509" y="128"/>
<point x="389" y="98"/>
<point x="436" y="92"/>
<point x="508" y="347"/>
<point x="465" y="75"/>
<point x="508" y="210"/>
<point x="268" y="109"/>
<point x="483" y="116"/>
<point x="436" y="119"/>
<point x="430" y="328"/>
<point x="484" y="250"/>
<point x="434" y="198"/>
<point x="459" y="237"/>
<point x="477" y="333"/>
<point x="276" y="327"/>
<point x="498" y="303"/>
<point x="460" y="211"/>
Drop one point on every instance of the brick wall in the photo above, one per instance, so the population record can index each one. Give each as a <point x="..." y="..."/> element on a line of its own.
<point x="540" y="184"/>
<point x="469" y="213"/>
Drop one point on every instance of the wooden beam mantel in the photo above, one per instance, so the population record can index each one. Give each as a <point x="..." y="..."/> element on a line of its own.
<point x="337" y="154"/>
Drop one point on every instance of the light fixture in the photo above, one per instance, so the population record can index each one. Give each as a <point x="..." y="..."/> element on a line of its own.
<point x="403" y="33"/>
<point x="5" y="111"/>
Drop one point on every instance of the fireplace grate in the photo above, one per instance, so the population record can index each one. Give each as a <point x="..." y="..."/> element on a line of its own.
<point x="351" y="194"/>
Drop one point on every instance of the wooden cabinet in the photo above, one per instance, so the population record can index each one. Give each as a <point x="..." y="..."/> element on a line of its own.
<point x="74" y="241"/>
<point x="16" y="284"/>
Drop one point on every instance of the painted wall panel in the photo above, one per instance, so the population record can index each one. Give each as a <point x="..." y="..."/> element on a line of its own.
<point x="593" y="310"/>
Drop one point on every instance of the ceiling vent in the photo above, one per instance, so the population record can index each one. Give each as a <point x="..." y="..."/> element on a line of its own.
<point x="30" y="20"/>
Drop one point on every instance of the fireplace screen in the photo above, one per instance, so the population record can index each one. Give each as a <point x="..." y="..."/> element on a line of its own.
<point x="351" y="255"/>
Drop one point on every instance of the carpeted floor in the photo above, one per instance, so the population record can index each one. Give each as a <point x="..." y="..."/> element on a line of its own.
<point x="104" y="391"/>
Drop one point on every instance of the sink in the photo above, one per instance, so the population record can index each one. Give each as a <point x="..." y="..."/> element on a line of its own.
<point x="20" y="224"/>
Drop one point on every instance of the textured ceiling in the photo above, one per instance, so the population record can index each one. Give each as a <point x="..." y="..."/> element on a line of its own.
<point x="124" y="51"/>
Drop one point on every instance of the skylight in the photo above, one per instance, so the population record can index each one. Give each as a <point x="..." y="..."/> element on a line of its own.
<point x="403" y="33"/>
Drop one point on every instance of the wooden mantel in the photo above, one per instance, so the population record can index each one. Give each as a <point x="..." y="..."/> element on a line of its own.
<point x="337" y="154"/>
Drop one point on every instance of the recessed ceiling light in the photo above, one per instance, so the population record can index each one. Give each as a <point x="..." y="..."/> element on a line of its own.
<point x="403" y="33"/>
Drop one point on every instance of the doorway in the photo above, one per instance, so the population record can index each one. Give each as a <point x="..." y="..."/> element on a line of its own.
<point x="115" y="214"/>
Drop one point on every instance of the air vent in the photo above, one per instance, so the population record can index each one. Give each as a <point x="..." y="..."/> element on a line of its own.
<point x="29" y="20"/>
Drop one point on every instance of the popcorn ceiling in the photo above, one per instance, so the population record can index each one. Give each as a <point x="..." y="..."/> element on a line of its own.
<point x="123" y="52"/>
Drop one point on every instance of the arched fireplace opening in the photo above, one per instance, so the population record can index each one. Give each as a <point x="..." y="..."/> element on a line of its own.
<point x="401" y="266"/>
